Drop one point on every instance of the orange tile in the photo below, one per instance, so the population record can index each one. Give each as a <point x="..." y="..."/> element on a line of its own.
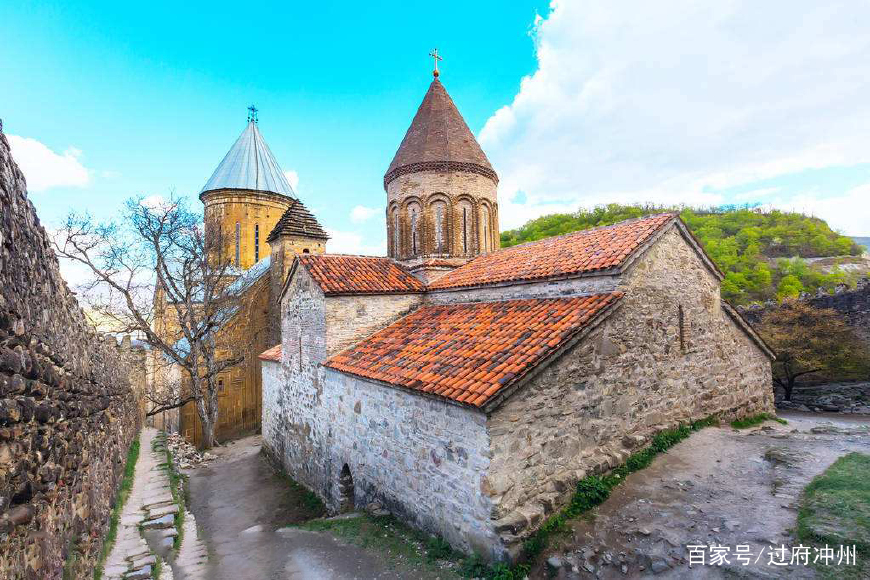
<point x="481" y="347"/>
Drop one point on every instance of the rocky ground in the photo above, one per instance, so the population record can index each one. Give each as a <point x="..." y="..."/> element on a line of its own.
<point x="831" y="397"/>
<point x="185" y="455"/>
<point x="720" y="487"/>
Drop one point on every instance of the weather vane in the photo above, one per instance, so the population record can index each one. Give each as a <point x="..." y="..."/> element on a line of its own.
<point x="436" y="58"/>
<point x="252" y="114"/>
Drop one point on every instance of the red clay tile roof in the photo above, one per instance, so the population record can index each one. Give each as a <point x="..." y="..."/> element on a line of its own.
<point x="578" y="252"/>
<point x="273" y="354"/>
<point x="469" y="352"/>
<point x="339" y="274"/>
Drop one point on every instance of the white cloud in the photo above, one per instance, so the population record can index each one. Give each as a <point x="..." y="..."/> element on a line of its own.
<point x="848" y="212"/>
<point x="154" y="201"/>
<point x="668" y="102"/>
<point x="362" y="213"/>
<point x="44" y="169"/>
<point x="292" y="178"/>
<point x="352" y="243"/>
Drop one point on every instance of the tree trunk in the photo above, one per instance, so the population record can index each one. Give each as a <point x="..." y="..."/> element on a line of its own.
<point x="788" y="386"/>
<point x="207" y="434"/>
<point x="206" y="408"/>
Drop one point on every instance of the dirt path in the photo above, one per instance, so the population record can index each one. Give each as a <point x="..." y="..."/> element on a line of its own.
<point x="242" y="507"/>
<point x="719" y="487"/>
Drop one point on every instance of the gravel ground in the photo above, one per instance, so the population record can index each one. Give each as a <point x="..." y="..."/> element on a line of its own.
<point x="719" y="487"/>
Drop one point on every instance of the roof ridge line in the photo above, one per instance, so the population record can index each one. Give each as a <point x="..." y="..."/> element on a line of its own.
<point x="592" y="229"/>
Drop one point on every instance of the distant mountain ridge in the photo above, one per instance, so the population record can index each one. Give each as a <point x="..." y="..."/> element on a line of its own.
<point x="862" y="241"/>
<point x="763" y="254"/>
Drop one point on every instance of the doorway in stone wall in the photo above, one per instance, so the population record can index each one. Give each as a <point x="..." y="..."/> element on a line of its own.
<point x="345" y="490"/>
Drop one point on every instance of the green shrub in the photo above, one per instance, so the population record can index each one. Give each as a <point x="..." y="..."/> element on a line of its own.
<point x="438" y="549"/>
<point x="754" y="420"/>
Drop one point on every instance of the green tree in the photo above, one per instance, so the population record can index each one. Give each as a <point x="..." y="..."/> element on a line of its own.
<point x="742" y="241"/>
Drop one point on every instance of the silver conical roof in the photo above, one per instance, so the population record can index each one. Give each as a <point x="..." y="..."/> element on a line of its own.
<point x="249" y="164"/>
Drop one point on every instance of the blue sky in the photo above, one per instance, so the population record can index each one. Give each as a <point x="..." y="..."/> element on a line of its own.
<point x="576" y="103"/>
<point x="153" y="98"/>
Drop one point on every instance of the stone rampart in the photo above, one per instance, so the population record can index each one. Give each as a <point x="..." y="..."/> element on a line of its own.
<point x="67" y="410"/>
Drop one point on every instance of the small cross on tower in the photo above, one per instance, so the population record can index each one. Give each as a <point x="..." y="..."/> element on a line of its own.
<point x="436" y="58"/>
<point x="252" y="114"/>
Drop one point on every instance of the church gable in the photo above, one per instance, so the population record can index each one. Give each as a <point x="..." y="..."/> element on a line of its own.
<point x="675" y="262"/>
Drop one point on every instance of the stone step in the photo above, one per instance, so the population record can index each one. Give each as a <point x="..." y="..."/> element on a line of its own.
<point x="149" y="560"/>
<point x="157" y="505"/>
<point x="162" y="511"/>
<point x="166" y="521"/>
<point x="140" y="574"/>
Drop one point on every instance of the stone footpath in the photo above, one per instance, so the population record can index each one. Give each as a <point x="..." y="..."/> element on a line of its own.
<point x="147" y="525"/>
<point x="192" y="560"/>
<point x="150" y="504"/>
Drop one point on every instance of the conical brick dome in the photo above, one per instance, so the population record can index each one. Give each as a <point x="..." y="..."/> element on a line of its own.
<point x="439" y="139"/>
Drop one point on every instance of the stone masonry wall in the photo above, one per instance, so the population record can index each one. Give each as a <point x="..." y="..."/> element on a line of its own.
<point x="631" y="377"/>
<point x="421" y="458"/>
<point x="67" y="411"/>
<point x="350" y="319"/>
<point x="454" y="189"/>
<point x="546" y="289"/>
<point x="293" y="433"/>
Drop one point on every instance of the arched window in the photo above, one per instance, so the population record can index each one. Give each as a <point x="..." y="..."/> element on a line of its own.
<point x="465" y="222"/>
<point x="345" y="490"/>
<point x="395" y="225"/>
<point x="414" y="223"/>
<point x="439" y="216"/>
<point x="681" y="321"/>
<point x="485" y="229"/>
<point x="238" y="243"/>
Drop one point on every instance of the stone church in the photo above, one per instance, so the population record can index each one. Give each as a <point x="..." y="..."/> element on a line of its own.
<point x="466" y="388"/>
<point x="262" y="224"/>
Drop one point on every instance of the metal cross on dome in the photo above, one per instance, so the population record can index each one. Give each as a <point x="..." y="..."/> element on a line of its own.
<point x="252" y="114"/>
<point x="436" y="58"/>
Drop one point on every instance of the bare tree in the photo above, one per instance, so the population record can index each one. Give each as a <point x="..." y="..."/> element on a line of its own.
<point x="159" y="273"/>
<point x="812" y="341"/>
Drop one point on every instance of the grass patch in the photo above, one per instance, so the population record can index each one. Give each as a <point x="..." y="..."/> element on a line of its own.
<point x="307" y="498"/>
<point x="430" y="556"/>
<point x="835" y="510"/>
<point x="176" y="486"/>
<point x="754" y="420"/>
<point x="120" y="500"/>
<point x="157" y="569"/>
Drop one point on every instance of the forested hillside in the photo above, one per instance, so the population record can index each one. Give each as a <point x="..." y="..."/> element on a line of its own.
<point x="760" y="253"/>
